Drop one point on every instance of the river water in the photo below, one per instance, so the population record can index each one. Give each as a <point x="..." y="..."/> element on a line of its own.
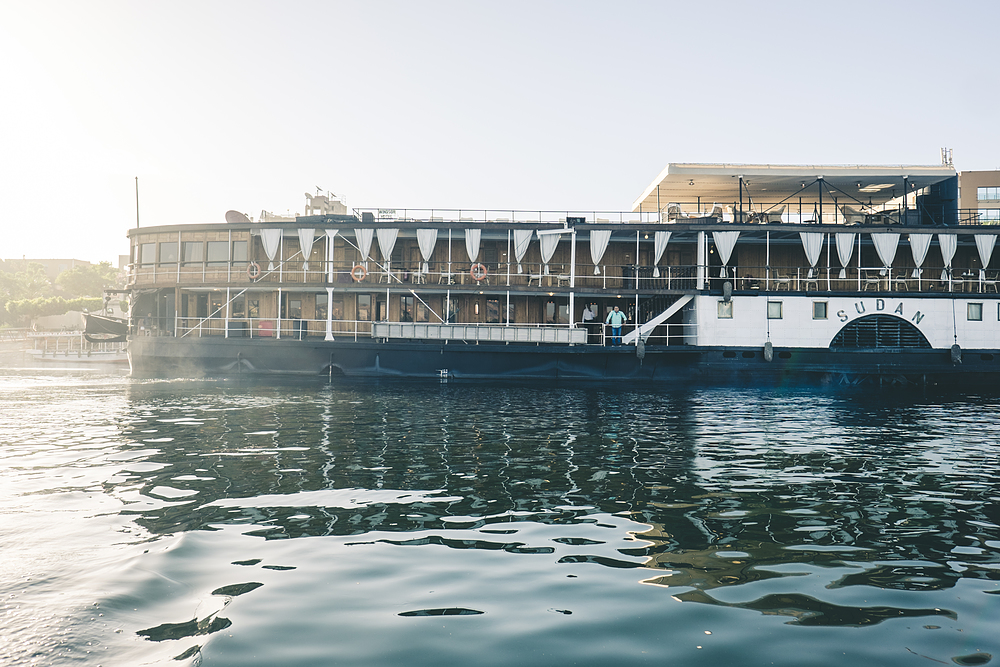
<point x="152" y="522"/>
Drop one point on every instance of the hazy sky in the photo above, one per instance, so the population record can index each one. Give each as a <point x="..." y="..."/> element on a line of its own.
<point x="529" y="105"/>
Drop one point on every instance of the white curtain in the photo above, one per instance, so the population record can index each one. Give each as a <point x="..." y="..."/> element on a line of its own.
<point x="306" y="237"/>
<point x="547" y="243"/>
<point x="725" y="242"/>
<point x="985" y="243"/>
<point x="271" y="239"/>
<point x="660" y="241"/>
<point x="598" y="244"/>
<point x="845" y="248"/>
<point x="386" y="242"/>
<point x="330" y="233"/>
<point x="812" y="243"/>
<point x="919" y="243"/>
<point x="472" y="237"/>
<point x="426" y="239"/>
<point x="522" y="237"/>
<point x="885" y="246"/>
<point x="948" y="243"/>
<point x="364" y="239"/>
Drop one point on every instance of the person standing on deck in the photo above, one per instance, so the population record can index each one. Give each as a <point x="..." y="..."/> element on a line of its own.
<point x="616" y="319"/>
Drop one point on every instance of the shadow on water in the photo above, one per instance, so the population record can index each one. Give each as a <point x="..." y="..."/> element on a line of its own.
<point x="730" y="486"/>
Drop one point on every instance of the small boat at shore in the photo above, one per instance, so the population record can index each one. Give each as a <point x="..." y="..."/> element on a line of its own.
<point x="725" y="273"/>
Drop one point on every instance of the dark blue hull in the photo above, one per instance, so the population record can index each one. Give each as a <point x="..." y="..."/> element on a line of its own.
<point x="217" y="356"/>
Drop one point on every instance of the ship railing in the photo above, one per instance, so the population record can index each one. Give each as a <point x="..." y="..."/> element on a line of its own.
<point x="460" y="217"/>
<point x="980" y="216"/>
<point x="873" y="278"/>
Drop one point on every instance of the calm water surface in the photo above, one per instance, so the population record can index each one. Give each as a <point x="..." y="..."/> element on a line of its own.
<point x="183" y="522"/>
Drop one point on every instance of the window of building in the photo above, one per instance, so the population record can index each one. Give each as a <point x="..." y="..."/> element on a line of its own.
<point x="988" y="193"/>
<point x="192" y="252"/>
<point x="218" y="253"/>
<point x="819" y="310"/>
<point x="240" y="251"/>
<point x="406" y="308"/>
<point x="975" y="312"/>
<point x="725" y="310"/>
<point x="320" y="307"/>
<point x="989" y="216"/>
<point x="147" y="253"/>
<point x="364" y="307"/>
<point x="774" y="310"/>
<point x="168" y="252"/>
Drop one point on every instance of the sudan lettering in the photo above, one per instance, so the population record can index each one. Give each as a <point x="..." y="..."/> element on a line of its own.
<point x="899" y="310"/>
<point x="842" y="315"/>
<point x="879" y="304"/>
<point x="860" y="307"/>
<point x="917" y="317"/>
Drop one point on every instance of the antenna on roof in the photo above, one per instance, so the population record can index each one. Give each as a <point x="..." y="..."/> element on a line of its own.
<point x="946" y="159"/>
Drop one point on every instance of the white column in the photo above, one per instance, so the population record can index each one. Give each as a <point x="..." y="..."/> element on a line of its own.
<point x="329" y="313"/>
<point x="701" y="261"/>
<point x="226" y="319"/>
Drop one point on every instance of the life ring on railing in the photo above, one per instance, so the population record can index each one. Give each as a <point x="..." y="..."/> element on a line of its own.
<point x="358" y="273"/>
<point x="253" y="270"/>
<point x="478" y="271"/>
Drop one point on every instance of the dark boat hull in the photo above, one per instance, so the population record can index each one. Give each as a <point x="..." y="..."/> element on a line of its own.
<point x="217" y="356"/>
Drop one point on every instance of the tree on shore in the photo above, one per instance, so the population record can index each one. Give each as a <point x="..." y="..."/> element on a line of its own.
<point x="89" y="280"/>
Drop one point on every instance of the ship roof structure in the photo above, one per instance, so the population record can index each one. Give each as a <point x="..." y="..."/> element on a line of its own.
<point x="767" y="184"/>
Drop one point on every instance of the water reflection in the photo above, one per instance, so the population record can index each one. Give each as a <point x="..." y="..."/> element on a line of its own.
<point x="736" y="487"/>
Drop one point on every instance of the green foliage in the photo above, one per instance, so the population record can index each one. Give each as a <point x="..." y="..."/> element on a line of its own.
<point x="23" y="280"/>
<point x="88" y="280"/>
<point x="23" y="311"/>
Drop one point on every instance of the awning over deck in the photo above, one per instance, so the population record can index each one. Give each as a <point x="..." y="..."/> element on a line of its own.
<point x="765" y="184"/>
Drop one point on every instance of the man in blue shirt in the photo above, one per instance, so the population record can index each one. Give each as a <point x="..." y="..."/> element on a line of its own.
<point x="616" y="319"/>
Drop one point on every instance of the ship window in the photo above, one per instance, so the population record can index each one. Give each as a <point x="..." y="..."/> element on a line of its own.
<point x="729" y="354"/>
<point x="147" y="253"/>
<point x="747" y="354"/>
<point x="988" y="194"/>
<point x="168" y="252"/>
<point x="338" y="309"/>
<point x="492" y="311"/>
<point x="217" y="305"/>
<point x="201" y="306"/>
<point x="364" y="307"/>
<point x="253" y="307"/>
<point x="240" y="251"/>
<point x="218" y="253"/>
<point x="819" y="310"/>
<point x="237" y="308"/>
<point x="774" y="310"/>
<point x="193" y="252"/>
<point x="550" y="312"/>
<point x="406" y="308"/>
<point x="725" y="310"/>
<point x="292" y="308"/>
<point x="975" y="312"/>
<point x="423" y="313"/>
<point x="320" y="307"/>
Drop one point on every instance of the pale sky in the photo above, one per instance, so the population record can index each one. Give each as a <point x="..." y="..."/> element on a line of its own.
<point x="488" y="105"/>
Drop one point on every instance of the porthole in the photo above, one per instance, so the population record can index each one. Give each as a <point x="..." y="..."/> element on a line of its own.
<point x="747" y="354"/>
<point x="729" y="354"/>
<point x="986" y="357"/>
<point x="784" y="355"/>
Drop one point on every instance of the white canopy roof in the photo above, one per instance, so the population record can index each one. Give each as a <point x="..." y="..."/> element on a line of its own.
<point x="766" y="183"/>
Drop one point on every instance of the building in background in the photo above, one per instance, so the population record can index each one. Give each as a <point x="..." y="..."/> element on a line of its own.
<point x="979" y="197"/>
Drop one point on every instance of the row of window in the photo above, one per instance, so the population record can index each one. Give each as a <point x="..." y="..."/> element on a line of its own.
<point x="217" y="253"/>
<point x="974" y="312"/>
<point x="988" y="194"/>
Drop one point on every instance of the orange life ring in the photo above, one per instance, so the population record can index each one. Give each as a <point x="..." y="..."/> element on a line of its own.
<point x="358" y="273"/>
<point x="253" y="270"/>
<point x="478" y="271"/>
